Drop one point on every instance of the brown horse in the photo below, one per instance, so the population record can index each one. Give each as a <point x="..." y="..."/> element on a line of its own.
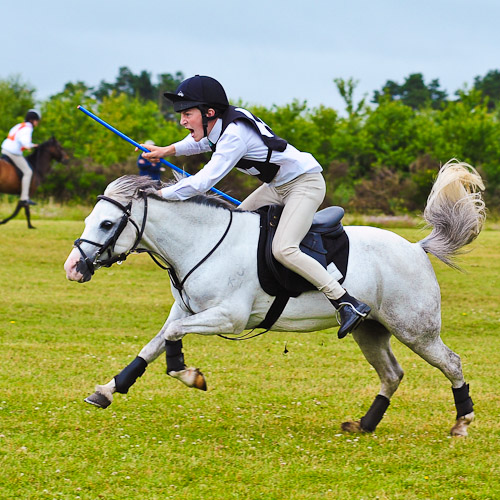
<point x="40" y="162"/>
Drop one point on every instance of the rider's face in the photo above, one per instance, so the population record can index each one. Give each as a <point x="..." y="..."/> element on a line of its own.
<point x="192" y="120"/>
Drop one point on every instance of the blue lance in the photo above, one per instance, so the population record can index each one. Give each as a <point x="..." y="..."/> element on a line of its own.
<point x="138" y="146"/>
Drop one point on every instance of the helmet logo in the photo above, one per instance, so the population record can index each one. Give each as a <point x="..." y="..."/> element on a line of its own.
<point x="180" y="93"/>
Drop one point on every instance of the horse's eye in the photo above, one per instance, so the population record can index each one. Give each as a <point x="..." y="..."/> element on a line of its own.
<point x="106" y="225"/>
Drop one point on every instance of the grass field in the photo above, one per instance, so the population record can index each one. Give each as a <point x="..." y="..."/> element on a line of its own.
<point x="269" y="425"/>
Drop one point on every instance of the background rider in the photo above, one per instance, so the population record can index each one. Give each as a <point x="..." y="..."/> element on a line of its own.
<point x="19" y="140"/>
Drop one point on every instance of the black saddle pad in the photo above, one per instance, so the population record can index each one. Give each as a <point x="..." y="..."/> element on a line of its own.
<point x="7" y="159"/>
<point x="326" y="242"/>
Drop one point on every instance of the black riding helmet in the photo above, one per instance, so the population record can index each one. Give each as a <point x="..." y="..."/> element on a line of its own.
<point x="32" y="115"/>
<point x="202" y="92"/>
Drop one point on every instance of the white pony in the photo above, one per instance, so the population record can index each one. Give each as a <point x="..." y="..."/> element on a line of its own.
<point x="223" y="296"/>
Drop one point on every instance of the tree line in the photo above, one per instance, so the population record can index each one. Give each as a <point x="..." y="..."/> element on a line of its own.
<point x="378" y="155"/>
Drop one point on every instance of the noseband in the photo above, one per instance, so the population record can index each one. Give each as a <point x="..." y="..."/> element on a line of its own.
<point x="109" y="245"/>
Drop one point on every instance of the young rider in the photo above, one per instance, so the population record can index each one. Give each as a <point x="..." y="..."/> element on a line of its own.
<point x="291" y="178"/>
<point x="19" y="140"/>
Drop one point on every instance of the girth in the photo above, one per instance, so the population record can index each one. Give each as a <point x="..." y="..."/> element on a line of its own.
<point x="326" y="242"/>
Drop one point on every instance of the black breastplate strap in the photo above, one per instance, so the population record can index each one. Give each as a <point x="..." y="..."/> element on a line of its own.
<point x="179" y="284"/>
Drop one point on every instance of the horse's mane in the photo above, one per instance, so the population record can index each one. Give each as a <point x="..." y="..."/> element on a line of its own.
<point x="33" y="157"/>
<point x="128" y="187"/>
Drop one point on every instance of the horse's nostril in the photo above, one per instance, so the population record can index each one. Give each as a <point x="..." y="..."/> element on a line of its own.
<point x="83" y="269"/>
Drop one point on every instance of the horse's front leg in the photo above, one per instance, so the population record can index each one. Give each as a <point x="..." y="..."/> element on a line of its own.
<point x="227" y="319"/>
<point x="176" y="368"/>
<point x="121" y="383"/>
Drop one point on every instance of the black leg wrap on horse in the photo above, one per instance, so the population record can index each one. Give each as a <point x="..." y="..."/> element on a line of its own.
<point x="374" y="415"/>
<point x="463" y="401"/>
<point x="127" y="377"/>
<point x="175" y="357"/>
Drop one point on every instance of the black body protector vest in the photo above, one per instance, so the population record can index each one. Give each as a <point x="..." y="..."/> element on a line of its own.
<point x="263" y="170"/>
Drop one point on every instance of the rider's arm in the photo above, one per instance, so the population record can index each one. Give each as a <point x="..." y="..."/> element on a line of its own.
<point x="188" y="146"/>
<point x="24" y="137"/>
<point x="230" y="149"/>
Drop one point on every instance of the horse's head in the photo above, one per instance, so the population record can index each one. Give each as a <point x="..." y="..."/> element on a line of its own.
<point x="41" y="157"/>
<point x="56" y="151"/>
<point x="110" y="235"/>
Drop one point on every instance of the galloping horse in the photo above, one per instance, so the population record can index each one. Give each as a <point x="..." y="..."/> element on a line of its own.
<point x="40" y="161"/>
<point x="224" y="296"/>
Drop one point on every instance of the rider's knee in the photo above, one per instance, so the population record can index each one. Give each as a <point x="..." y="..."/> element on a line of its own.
<point x="284" y="253"/>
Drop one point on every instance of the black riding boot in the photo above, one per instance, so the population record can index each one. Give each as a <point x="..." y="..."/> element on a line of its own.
<point x="26" y="203"/>
<point x="351" y="311"/>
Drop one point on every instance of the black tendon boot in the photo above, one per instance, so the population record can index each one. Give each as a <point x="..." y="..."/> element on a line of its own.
<point x="350" y="313"/>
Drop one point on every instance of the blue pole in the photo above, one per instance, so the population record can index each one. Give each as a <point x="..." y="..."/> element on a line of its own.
<point x="138" y="146"/>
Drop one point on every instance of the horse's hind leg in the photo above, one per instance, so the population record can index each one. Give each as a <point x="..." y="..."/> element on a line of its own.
<point x="438" y="354"/>
<point x="14" y="214"/>
<point x="374" y="342"/>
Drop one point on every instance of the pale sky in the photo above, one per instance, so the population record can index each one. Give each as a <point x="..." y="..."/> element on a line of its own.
<point x="263" y="52"/>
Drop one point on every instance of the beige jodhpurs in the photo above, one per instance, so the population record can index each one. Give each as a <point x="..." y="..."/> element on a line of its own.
<point x="301" y="198"/>
<point x="22" y="164"/>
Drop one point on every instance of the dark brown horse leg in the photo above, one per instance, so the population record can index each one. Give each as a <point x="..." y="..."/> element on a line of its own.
<point x="20" y="205"/>
<point x="28" y="216"/>
<point x="16" y="211"/>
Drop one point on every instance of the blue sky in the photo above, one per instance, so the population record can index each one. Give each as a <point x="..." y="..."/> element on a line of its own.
<point x="264" y="52"/>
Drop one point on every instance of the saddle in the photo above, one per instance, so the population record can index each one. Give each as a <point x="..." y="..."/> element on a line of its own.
<point x="18" y="172"/>
<point x="326" y="242"/>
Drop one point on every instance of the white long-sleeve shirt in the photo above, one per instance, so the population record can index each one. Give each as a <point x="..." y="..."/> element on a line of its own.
<point x="19" y="138"/>
<point x="238" y="141"/>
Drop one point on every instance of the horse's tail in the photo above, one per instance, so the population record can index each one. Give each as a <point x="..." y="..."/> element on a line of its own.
<point x="455" y="210"/>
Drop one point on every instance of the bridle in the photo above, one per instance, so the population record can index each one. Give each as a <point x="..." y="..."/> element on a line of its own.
<point x="109" y="245"/>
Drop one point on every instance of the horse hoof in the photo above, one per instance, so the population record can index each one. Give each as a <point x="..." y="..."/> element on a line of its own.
<point x="192" y="377"/>
<point x="352" y="427"/>
<point x="461" y="425"/>
<point x="200" y="382"/>
<point x="98" y="399"/>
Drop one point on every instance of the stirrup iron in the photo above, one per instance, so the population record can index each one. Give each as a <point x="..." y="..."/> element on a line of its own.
<point x="344" y="304"/>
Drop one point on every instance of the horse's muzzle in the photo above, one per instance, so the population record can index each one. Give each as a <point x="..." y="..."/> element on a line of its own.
<point x="83" y="269"/>
<point x="76" y="268"/>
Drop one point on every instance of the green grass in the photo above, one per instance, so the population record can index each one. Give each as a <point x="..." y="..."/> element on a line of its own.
<point x="269" y="425"/>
